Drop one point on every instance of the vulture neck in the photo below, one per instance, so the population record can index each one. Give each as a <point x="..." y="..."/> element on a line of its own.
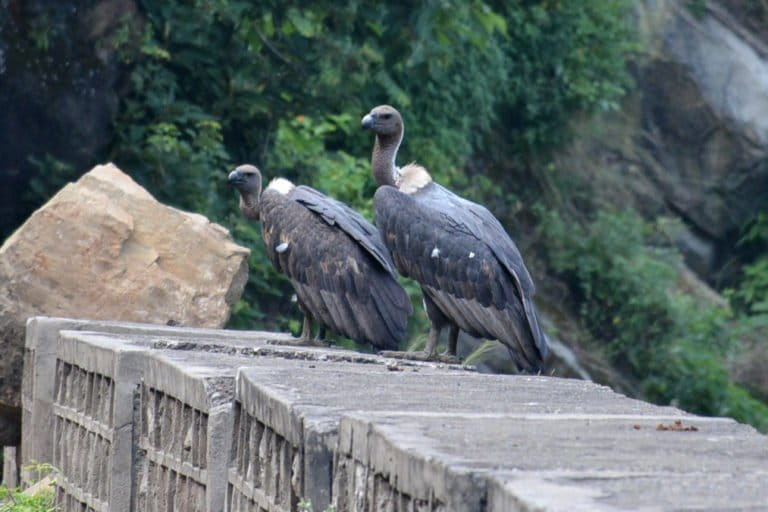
<point x="250" y="203"/>
<point x="383" y="157"/>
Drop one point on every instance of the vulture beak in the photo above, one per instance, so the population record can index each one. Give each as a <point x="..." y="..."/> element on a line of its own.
<point x="235" y="178"/>
<point x="368" y="121"/>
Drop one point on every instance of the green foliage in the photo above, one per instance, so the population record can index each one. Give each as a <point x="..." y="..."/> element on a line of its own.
<point x="306" y="506"/>
<point x="300" y="150"/>
<point x="622" y="283"/>
<point x="563" y="57"/>
<point x="52" y="174"/>
<point x="751" y="294"/>
<point x="674" y="345"/>
<point x="15" y="500"/>
<point x="284" y="85"/>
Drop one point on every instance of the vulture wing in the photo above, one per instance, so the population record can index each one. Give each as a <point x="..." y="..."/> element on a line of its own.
<point x="336" y="213"/>
<point x="339" y="277"/>
<point x="467" y="263"/>
<point x="478" y="220"/>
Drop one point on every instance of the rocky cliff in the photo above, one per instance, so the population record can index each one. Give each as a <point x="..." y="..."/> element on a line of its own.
<point x="691" y="140"/>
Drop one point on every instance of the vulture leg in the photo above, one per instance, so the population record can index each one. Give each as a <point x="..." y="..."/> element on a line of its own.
<point x="306" y="327"/>
<point x="305" y="339"/>
<point x="306" y="332"/>
<point x="428" y="354"/>
<point x="449" y="356"/>
<point x="430" y="351"/>
<point x="437" y="321"/>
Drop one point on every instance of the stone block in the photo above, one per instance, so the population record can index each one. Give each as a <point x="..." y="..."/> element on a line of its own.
<point x="287" y="415"/>
<point x="40" y="363"/>
<point x="96" y="379"/>
<point x="10" y="467"/>
<point x="185" y="430"/>
<point x="529" y="461"/>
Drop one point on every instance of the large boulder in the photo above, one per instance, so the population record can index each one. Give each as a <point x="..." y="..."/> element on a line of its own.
<point x="104" y="248"/>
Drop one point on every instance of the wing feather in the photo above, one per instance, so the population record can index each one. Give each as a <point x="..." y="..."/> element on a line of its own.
<point x="488" y="294"/>
<point x="337" y="275"/>
<point x="336" y="213"/>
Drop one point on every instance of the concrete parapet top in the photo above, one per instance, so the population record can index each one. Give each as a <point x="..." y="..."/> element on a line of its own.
<point x="96" y="352"/>
<point x="568" y="461"/>
<point x="348" y="386"/>
<point x="199" y="379"/>
<point x="366" y="433"/>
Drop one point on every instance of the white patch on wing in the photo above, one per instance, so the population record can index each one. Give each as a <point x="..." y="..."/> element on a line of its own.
<point x="435" y="252"/>
<point x="413" y="177"/>
<point x="282" y="247"/>
<point x="280" y="185"/>
<point x="471" y="255"/>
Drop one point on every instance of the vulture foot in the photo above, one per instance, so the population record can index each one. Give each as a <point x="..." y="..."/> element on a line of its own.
<point x="301" y="342"/>
<point x="420" y="355"/>
<point x="448" y="358"/>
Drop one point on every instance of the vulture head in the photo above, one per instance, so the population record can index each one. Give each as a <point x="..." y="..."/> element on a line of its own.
<point x="247" y="180"/>
<point x="387" y="123"/>
<point x="384" y="121"/>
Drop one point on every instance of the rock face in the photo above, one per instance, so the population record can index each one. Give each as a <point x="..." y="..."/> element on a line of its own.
<point x="704" y="102"/>
<point x="59" y="79"/>
<point x="691" y="141"/>
<point x="104" y="248"/>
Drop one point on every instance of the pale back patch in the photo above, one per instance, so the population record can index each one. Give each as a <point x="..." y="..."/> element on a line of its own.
<point x="280" y="185"/>
<point x="412" y="178"/>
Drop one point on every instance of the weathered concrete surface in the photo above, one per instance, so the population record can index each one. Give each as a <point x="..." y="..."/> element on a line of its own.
<point x="558" y="461"/>
<point x="93" y="413"/>
<point x="104" y="248"/>
<point x="302" y="402"/>
<point x="366" y="434"/>
<point x="40" y="366"/>
<point x="11" y="457"/>
<point x="185" y="430"/>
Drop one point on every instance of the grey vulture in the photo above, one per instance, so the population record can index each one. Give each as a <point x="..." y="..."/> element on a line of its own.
<point x="471" y="273"/>
<point x="335" y="259"/>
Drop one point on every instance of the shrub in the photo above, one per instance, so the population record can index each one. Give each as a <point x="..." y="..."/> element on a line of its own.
<point x="672" y="344"/>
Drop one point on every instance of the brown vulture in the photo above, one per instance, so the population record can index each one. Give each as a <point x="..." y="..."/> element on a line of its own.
<point x="471" y="273"/>
<point x="339" y="267"/>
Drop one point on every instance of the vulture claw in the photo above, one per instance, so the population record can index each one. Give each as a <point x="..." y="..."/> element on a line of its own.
<point x="300" y="342"/>
<point x="420" y="355"/>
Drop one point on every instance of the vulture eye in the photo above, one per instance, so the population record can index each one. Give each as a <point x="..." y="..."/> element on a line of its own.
<point x="386" y="116"/>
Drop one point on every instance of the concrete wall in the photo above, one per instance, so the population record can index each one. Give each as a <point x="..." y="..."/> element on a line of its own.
<point x="148" y="418"/>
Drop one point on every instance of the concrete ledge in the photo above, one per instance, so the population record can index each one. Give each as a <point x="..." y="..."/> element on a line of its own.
<point x="185" y="429"/>
<point x="157" y="418"/>
<point x="95" y="385"/>
<point x="40" y="363"/>
<point x="553" y="462"/>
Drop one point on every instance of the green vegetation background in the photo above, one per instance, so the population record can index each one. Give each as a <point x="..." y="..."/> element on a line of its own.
<point x="488" y="91"/>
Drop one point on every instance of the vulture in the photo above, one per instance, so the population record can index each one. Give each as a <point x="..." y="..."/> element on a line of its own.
<point x="335" y="259"/>
<point x="471" y="273"/>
